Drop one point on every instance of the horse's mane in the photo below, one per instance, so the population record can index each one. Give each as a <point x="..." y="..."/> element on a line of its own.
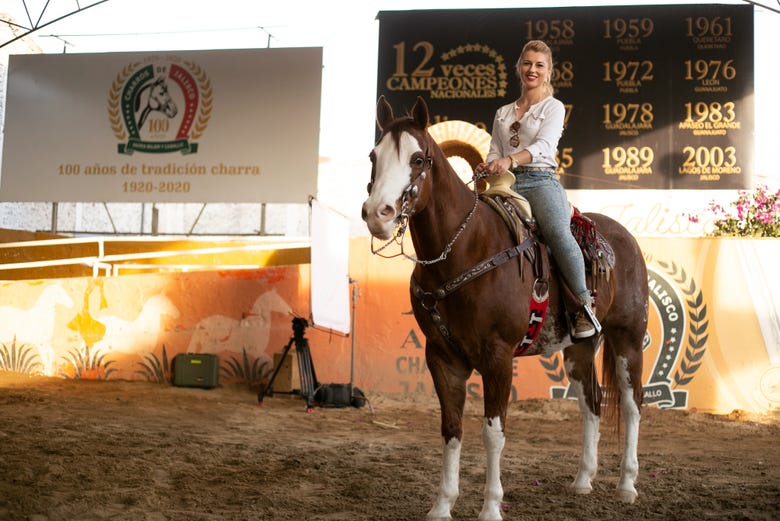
<point x="397" y="127"/>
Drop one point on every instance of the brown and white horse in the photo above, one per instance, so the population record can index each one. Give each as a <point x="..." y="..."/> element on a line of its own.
<point x="476" y="325"/>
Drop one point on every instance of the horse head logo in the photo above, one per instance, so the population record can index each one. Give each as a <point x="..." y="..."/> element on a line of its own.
<point x="159" y="99"/>
<point x="141" y="88"/>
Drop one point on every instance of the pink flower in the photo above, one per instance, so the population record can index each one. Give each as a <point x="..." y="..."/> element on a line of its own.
<point x="752" y="214"/>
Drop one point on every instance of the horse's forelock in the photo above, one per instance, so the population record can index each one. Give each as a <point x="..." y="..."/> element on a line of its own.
<point x="407" y="124"/>
<point x="394" y="129"/>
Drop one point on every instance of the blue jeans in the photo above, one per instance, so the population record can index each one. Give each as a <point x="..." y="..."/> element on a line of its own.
<point x="550" y="207"/>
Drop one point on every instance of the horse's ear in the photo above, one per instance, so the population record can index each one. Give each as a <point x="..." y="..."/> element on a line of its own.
<point x="420" y="113"/>
<point x="384" y="113"/>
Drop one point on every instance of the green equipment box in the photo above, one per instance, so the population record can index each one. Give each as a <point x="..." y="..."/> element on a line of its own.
<point x="195" y="370"/>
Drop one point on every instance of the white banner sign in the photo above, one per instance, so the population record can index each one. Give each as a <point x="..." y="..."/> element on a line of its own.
<point x="329" y="268"/>
<point x="195" y="126"/>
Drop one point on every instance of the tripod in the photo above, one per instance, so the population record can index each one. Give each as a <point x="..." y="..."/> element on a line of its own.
<point x="308" y="377"/>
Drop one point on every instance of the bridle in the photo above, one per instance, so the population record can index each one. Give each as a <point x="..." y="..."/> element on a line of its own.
<point x="409" y="194"/>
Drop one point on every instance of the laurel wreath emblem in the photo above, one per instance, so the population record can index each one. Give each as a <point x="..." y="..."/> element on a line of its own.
<point x="553" y="367"/>
<point x="206" y="92"/>
<point x="114" y="95"/>
<point x="697" y="313"/>
<point x="697" y="331"/>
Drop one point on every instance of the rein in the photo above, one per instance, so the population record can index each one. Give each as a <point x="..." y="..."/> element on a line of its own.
<point x="409" y="193"/>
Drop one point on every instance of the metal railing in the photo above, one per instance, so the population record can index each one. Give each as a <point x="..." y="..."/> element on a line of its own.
<point x="105" y="264"/>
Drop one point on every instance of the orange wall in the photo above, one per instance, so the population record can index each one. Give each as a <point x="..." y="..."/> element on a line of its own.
<point x="705" y="347"/>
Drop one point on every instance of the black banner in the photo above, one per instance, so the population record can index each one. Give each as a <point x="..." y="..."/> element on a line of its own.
<point x="656" y="97"/>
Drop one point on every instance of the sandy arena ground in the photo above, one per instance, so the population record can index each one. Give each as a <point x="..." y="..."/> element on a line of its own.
<point x="85" y="450"/>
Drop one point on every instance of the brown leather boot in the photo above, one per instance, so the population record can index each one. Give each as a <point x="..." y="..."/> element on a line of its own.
<point x="583" y="327"/>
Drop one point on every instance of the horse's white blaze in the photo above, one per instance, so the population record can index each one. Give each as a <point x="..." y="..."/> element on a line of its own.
<point x="392" y="175"/>
<point x="494" y="439"/>
<point x="448" y="488"/>
<point x="590" y="441"/>
<point x="629" y="466"/>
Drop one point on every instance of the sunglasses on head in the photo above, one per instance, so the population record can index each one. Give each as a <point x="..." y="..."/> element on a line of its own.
<point x="514" y="139"/>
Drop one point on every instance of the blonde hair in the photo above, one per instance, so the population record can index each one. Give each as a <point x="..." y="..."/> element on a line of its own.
<point x="540" y="47"/>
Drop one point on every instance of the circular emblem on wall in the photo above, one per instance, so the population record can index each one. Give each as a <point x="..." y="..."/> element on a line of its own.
<point x="465" y="145"/>
<point x="673" y="297"/>
<point x="160" y="105"/>
<point x="674" y="344"/>
<point x="769" y="385"/>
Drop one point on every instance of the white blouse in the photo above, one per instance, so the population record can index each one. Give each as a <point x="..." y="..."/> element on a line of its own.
<point x="540" y="129"/>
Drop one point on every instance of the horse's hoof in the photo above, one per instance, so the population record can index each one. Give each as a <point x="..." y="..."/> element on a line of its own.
<point x="627" y="496"/>
<point x="437" y="513"/>
<point x="581" y="487"/>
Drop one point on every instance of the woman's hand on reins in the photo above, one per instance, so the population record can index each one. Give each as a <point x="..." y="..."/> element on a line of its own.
<point x="495" y="167"/>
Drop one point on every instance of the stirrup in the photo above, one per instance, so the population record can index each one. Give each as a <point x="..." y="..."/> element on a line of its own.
<point x="592" y="317"/>
<point x="587" y="322"/>
<point x="581" y="327"/>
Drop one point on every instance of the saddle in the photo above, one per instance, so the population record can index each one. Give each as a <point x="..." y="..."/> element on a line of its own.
<point x="516" y="213"/>
<point x="501" y="186"/>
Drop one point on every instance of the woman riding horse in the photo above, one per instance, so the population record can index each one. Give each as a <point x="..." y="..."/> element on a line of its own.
<point x="524" y="140"/>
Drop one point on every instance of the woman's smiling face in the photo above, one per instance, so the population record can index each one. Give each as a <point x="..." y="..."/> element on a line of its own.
<point x="534" y="69"/>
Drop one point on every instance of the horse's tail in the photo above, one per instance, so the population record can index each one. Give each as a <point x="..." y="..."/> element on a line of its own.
<point x="610" y="399"/>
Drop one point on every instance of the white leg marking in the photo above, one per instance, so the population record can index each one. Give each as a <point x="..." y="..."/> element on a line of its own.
<point x="493" y="438"/>
<point x="589" y="459"/>
<point x="629" y="466"/>
<point x="448" y="488"/>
